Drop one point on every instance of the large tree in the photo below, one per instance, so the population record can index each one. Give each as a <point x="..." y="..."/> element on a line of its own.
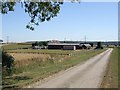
<point x="40" y="11"/>
<point x="37" y="11"/>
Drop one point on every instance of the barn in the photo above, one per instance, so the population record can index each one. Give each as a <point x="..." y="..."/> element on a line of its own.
<point x="85" y="46"/>
<point x="69" y="47"/>
<point x="64" y="46"/>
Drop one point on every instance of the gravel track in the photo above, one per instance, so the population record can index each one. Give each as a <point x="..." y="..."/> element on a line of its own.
<point x="86" y="75"/>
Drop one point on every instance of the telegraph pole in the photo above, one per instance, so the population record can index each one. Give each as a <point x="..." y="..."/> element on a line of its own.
<point x="64" y="39"/>
<point x="7" y="39"/>
<point x="85" y="39"/>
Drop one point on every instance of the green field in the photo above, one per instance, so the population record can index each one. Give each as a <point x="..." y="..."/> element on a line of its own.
<point x="111" y="78"/>
<point x="0" y="76"/>
<point x="38" y="70"/>
<point x="15" y="46"/>
<point x="41" y="51"/>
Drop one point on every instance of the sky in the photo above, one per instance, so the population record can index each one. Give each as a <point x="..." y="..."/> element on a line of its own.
<point x="97" y="21"/>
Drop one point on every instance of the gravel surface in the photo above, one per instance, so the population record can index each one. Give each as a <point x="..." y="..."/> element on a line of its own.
<point x="86" y="75"/>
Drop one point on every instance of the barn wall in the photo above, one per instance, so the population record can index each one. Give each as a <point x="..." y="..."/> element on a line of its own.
<point x="64" y="47"/>
<point x="55" y="47"/>
<point x="69" y="47"/>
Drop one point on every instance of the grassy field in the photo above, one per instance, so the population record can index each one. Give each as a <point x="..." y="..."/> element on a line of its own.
<point x="15" y="46"/>
<point x="0" y="77"/>
<point x="111" y="78"/>
<point x="38" y="70"/>
<point x="41" y="51"/>
<point x="22" y="59"/>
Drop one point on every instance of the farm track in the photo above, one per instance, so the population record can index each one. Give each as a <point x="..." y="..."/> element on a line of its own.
<point x="87" y="75"/>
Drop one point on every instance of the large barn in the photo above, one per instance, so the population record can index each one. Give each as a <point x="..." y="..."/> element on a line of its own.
<point x="68" y="46"/>
<point x="64" y="46"/>
<point x="85" y="46"/>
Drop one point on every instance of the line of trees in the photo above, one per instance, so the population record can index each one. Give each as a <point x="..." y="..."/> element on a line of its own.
<point x="43" y="43"/>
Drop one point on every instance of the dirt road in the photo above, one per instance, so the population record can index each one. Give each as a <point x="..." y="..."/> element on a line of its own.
<point x="86" y="75"/>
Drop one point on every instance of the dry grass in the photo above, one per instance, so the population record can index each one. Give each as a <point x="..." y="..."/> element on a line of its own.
<point x="36" y="70"/>
<point x="26" y="56"/>
<point x="22" y="59"/>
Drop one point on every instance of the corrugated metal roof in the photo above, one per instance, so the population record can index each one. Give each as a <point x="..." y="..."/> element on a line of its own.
<point x="86" y="45"/>
<point x="63" y="44"/>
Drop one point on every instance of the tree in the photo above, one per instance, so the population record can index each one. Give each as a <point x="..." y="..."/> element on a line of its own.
<point x="45" y="43"/>
<point x="99" y="45"/>
<point x="40" y="43"/>
<point x="37" y="11"/>
<point x="36" y="43"/>
<point x="7" y="64"/>
<point x="33" y="45"/>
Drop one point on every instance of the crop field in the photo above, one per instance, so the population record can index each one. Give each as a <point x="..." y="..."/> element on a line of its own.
<point x="23" y="59"/>
<point x="62" y="52"/>
<point x="30" y="67"/>
<point x="15" y="46"/>
<point x="22" y="56"/>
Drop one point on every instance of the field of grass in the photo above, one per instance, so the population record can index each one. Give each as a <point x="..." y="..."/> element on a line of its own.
<point x="0" y="76"/>
<point x="111" y="78"/>
<point x="22" y="59"/>
<point x="15" y="46"/>
<point x="62" y="52"/>
<point x="38" y="70"/>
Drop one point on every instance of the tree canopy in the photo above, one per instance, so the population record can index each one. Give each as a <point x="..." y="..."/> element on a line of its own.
<point x="37" y="11"/>
<point x="41" y="11"/>
<point x="7" y="63"/>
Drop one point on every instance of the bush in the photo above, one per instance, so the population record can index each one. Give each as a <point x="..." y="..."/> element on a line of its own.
<point x="7" y="64"/>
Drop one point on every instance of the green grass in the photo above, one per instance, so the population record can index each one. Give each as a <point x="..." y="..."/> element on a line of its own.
<point x="15" y="46"/>
<point x="114" y="68"/>
<point x="0" y="76"/>
<point x="111" y="80"/>
<point x="39" y="70"/>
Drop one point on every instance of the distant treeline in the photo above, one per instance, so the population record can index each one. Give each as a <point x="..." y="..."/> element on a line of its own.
<point x="41" y="43"/>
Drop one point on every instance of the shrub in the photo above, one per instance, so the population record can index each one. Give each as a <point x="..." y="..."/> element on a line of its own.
<point x="7" y="64"/>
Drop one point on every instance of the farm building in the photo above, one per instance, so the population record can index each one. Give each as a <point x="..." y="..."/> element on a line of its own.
<point x="85" y="46"/>
<point x="68" y="46"/>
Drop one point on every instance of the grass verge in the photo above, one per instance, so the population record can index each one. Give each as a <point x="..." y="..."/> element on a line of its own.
<point x="111" y="77"/>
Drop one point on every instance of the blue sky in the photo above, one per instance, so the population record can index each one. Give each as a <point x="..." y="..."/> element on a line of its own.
<point x="97" y="21"/>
